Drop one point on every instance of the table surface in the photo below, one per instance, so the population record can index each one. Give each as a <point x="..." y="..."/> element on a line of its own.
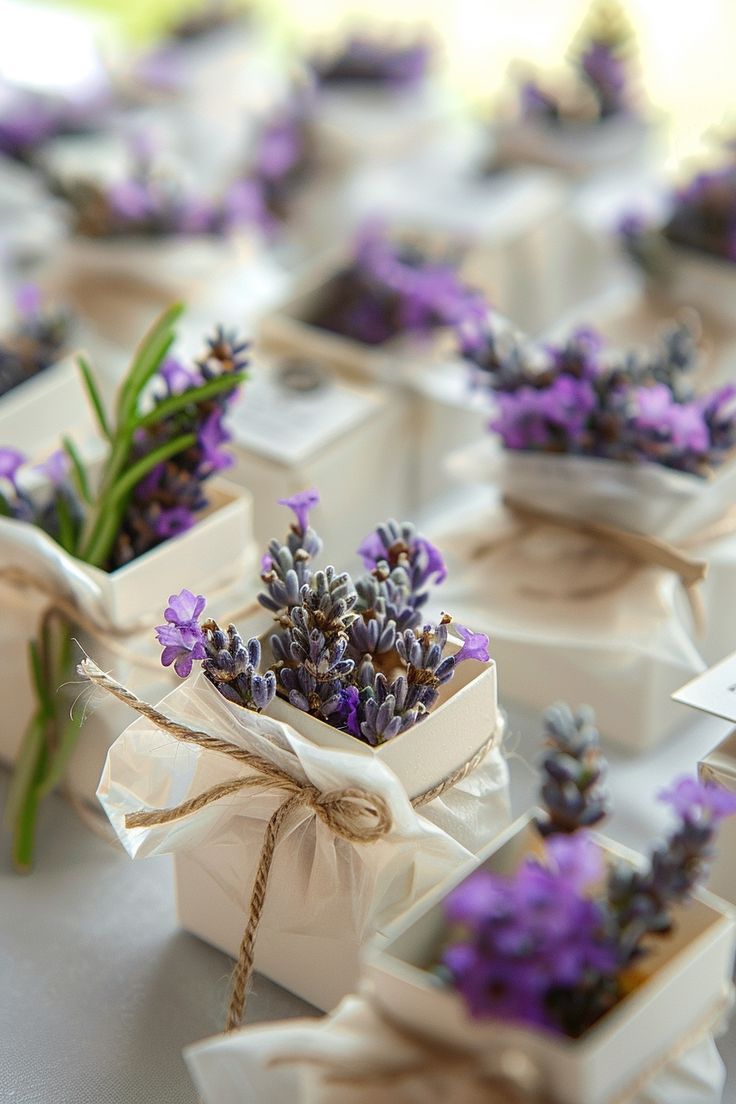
<point x="100" y="991"/>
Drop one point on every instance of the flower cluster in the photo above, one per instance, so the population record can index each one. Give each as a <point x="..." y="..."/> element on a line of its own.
<point x="372" y="61"/>
<point x="702" y="217"/>
<point x="601" y="86"/>
<point x="229" y="663"/>
<point x="176" y="445"/>
<point x="148" y="203"/>
<point x="577" y="397"/>
<point x="28" y="120"/>
<point x="392" y="288"/>
<point x="282" y="161"/>
<point x="550" y="945"/>
<point x="356" y="655"/>
<point x="38" y="339"/>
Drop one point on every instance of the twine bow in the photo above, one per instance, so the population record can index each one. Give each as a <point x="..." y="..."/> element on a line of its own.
<point x="352" y="813"/>
<point x="641" y="550"/>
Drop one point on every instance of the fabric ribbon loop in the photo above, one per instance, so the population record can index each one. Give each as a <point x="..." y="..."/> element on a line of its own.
<point x="353" y="814"/>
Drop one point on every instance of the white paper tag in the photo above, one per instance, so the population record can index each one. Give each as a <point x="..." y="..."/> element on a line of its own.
<point x="289" y="425"/>
<point x="713" y="692"/>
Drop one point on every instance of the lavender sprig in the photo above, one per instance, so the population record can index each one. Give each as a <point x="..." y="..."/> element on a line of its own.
<point x="391" y="288"/>
<point x="364" y="60"/>
<point x="38" y="338"/>
<point x="579" y="398"/>
<point x="572" y="770"/>
<point x="350" y="654"/>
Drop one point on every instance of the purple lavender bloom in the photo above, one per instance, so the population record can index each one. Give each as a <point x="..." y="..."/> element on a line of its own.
<point x="196" y="215"/>
<point x="279" y="149"/>
<point x="173" y="521"/>
<point x="245" y="205"/>
<point x="475" y="646"/>
<point x="576" y="858"/>
<point x="387" y="544"/>
<point x="10" y="462"/>
<point x="365" y="60"/>
<point x="56" y="468"/>
<point x="131" y="200"/>
<point x="28" y="301"/>
<point x="301" y="503"/>
<point x="182" y="637"/>
<point x="524" y="939"/>
<point x="605" y="70"/>
<point x="698" y="802"/>
<point x="177" y="377"/>
<point x="211" y="435"/>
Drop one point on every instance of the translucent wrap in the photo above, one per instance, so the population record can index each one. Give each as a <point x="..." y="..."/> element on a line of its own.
<point x="117" y="612"/>
<point x="325" y="895"/>
<point x="256" y="1065"/>
<point x="574" y="616"/>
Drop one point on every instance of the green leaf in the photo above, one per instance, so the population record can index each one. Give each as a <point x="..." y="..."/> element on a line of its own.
<point x="175" y="403"/>
<point x="115" y="502"/>
<point x="39" y="682"/>
<point x="148" y="357"/>
<point x="27" y="767"/>
<point x="67" y="528"/>
<point x="56" y="767"/>
<point x="4" y="507"/>
<point x="94" y="397"/>
<point x="80" y="474"/>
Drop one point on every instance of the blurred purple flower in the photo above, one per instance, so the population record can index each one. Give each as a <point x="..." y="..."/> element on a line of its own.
<point x="56" y="468"/>
<point x="10" y="462"/>
<point x="475" y="645"/>
<point x="173" y="521"/>
<point x="211" y="435"/>
<point x="301" y="503"/>
<point x="697" y="801"/>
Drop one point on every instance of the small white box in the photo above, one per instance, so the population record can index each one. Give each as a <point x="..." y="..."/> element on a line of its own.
<point x="575" y="148"/>
<point x="326" y="896"/>
<point x="687" y="973"/>
<point x="693" y="278"/>
<point x="38" y="412"/>
<point x="350" y="440"/>
<point x="216" y="557"/>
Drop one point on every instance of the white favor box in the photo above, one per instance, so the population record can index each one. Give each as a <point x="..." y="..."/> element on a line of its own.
<point x="38" y="412"/>
<point x="687" y="974"/>
<point x="705" y="282"/>
<point x="574" y="148"/>
<point x="323" y="971"/>
<point x="525" y="248"/>
<point x="216" y="557"/>
<point x="364" y="124"/>
<point x="350" y="440"/>
<point x="119" y="286"/>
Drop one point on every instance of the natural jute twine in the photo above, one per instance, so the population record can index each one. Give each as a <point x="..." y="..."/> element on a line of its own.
<point x="353" y="814"/>
<point x="637" y="548"/>
<point x="505" y="1076"/>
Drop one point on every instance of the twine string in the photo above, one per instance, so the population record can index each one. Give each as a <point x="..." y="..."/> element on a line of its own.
<point x="352" y="813"/>
<point x="638" y="549"/>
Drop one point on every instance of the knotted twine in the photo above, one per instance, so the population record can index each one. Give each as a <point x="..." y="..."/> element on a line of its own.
<point x="638" y="548"/>
<point x="353" y="814"/>
<point x="505" y="1075"/>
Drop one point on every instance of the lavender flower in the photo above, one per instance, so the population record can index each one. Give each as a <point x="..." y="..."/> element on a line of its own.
<point x="572" y="770"/>
<point x="580" y="398"/>
<point x="354" y="655"/>
<point x="363" y="60"/>
<point x="181" y="635"/>
<point x="29" y="120"/>
<point x="148" y="203"/>
<point x="391" y="289"/>
<point x="475" y="646"/>
<point x="301" y="503"/>
<point x="11" y="461"/>
<point x="549" y="946"/>
<point x="601" y="70"/>
<point x="37" y="339"/>
<point x="703" y="214"/>
<point x="525" y="938"/>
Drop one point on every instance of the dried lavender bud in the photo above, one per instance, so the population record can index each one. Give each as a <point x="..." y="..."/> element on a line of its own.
<point x="232" y="666"/>
<point x="573" y="769"/>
